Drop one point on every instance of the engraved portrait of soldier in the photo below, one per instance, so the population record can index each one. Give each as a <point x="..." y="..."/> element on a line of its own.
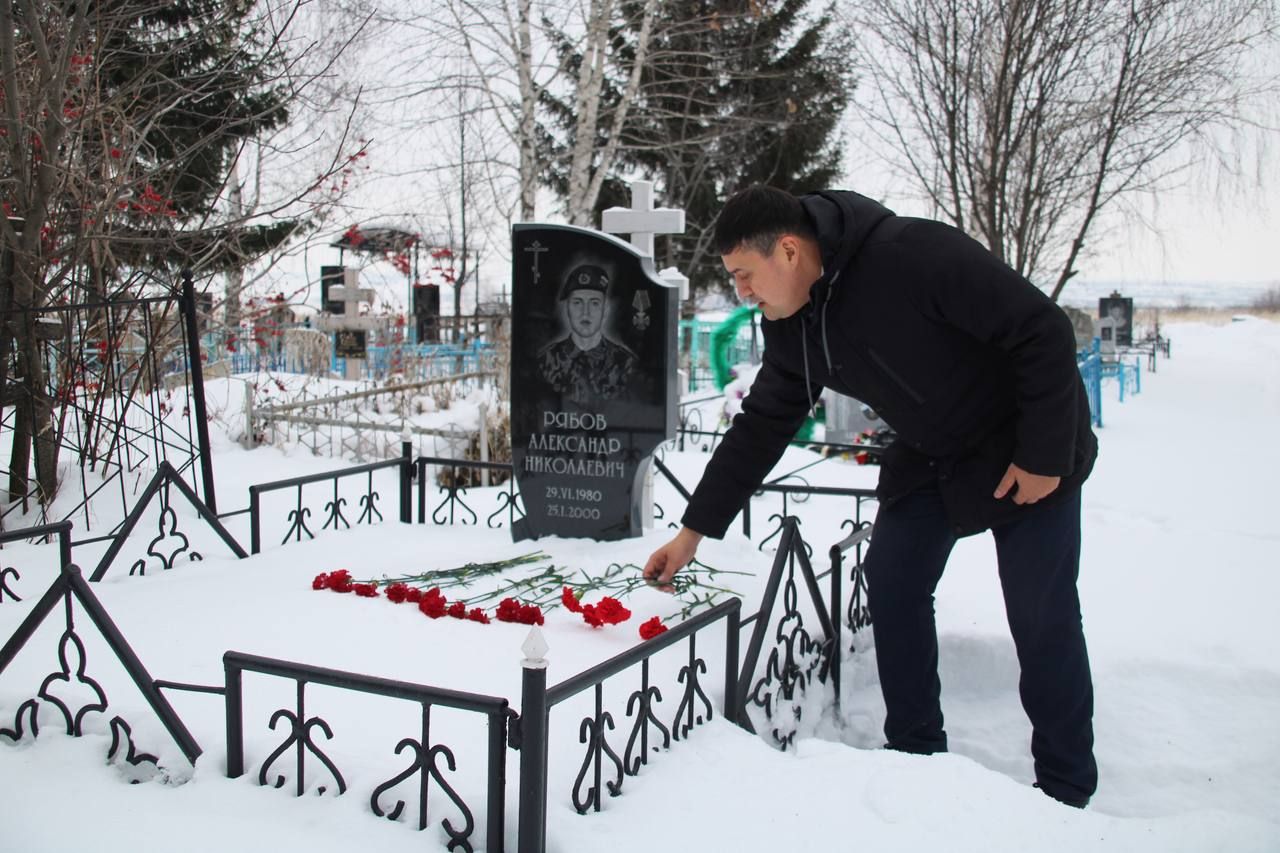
<point x="585" y="364"/>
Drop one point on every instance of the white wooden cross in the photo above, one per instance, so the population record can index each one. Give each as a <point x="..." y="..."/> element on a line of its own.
<point x="641" y="221"/>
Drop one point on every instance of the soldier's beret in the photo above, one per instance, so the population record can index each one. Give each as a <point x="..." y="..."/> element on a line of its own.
<point x="585" y="277"/>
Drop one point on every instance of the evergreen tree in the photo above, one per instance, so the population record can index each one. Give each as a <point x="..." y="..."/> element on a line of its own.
<point x="732" y="93"/>
<point x="118" y="120"/>
<point x="197" y="79"/>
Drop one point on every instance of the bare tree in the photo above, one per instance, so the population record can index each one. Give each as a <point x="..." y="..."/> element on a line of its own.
<point x="117" y="126"/>
<point x="1021" y="121"/>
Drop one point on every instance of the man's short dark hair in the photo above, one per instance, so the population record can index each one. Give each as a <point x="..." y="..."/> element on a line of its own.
<point x="756" y="217"/>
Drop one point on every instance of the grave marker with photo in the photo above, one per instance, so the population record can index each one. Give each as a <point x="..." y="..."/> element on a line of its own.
<point x="593" y="380"/>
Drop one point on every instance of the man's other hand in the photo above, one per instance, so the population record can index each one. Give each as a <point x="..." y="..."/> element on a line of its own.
<point x="671" y="558"/>
<point x="1030" y="487"/>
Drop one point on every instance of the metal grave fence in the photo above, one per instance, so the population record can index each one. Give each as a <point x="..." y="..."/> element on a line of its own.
<point x="795" y="644"/>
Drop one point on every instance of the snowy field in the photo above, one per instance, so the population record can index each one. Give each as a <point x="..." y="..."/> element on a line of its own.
<point x="1179" y="579"/>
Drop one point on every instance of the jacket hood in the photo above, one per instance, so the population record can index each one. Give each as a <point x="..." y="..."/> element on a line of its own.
<point x="842" y="220"/>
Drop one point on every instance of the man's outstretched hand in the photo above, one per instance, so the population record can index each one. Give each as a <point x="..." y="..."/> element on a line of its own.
<point x="1031" y="487"/>
<point x="671" y="558"/>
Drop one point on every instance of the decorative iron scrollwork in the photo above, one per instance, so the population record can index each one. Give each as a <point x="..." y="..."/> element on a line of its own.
<point x="5" y="589"/>
<point x="794" y="663"/>
<point x="592" y="733"/>
<point x="298" y="518"/>
<point x="509" y="501"/>
<point x="334" y="508"/>
<point x="398" y="809"/>
<point x="300" y="734"/>
<point x="640" y="705"/>
<point x="369" y="501"/>
<point x="425" y="762"/>
<point x="453" y="500"/>
<point x="457" y="838"/>
<point x="685" y="718"/>
<point x="166" y="560"/>
<point x="71" y="641"/>
<point x="17" y="733"/>
<point x="122" y="734"/>
<point x="777" y="531"/>
<point x="858" y="613"/>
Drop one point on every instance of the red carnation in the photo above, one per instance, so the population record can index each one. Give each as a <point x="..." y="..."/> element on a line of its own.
<point x="609" y="611"/>
<point x="570" y="600"/>
<point x="432" y="603"/>
<point x="414" y="595"/>
<point x="365" y="590"/>
<point x="652" y="628"/>
<point x="591" y="617"/>
<point x="320" y="581"/>
<point x="458" y="610"/>
<point x="478" y="615"/>
<point x="510" y="610"/>
<point x="340" y="581"/>
<point x="397" y="593"/>
<point x="613" y="610"/>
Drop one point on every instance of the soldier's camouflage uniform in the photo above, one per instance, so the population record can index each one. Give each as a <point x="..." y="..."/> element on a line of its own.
<point x="585" y="375"/>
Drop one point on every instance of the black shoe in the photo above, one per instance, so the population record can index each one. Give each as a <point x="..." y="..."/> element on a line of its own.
<point x="1076" y="802"/>
<point x="917" y="748"/>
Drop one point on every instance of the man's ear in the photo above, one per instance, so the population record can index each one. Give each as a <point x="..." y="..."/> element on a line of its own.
<point x="790" y="248"/>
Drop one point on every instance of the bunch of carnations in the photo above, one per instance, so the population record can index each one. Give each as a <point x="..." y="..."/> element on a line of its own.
<point x="431" y="602"/>
<point x="340" y="581"/>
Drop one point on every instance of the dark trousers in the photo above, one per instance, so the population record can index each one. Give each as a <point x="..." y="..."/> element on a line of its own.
<point x="1039" y="559"/>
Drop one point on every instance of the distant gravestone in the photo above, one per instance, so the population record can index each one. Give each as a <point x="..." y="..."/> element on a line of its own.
<point x="593" y="380"/>
<point x="1120" y="309"/>
<point x="1084" y="325"/>
<point x="847" y="418"/>
<point x="349" y="327"/>
<point x="1107" y="338"/>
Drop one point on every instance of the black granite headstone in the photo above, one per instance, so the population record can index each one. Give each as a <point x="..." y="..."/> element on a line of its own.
<point x="332" y="277"/>
<point x="593" y="380"/>
<point x="426" y="312"/>
<point x="1120" y="309"/>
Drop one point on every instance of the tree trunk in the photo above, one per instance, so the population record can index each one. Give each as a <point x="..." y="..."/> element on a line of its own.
<point x="234" y="276"/>
<point x="528" y="117"/>
<point x="587" y="109"/>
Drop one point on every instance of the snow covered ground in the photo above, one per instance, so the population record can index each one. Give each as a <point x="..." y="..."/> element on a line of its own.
<point x="1180" y="573"/>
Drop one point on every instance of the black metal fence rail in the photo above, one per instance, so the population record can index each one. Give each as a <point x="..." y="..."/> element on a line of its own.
<point x="801" y="493"/>
<point x="792" y="656"/>
<point x="454" y="480"/>
<point x="693" y="433"/>
<point x="106" y="368"/>
<point x="694" y="709"/>
<point x="427" y="756"/>
<point x="798" y="657"/>
<point x="857" y="615"/>
<point x="789" y="492"/>
<point x="70" y="584"/>
<point x="333" y="508"/>
<point x="61" y="529"/>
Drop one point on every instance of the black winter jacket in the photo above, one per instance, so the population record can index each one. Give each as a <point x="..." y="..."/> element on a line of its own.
<point x="970" y="364"/>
